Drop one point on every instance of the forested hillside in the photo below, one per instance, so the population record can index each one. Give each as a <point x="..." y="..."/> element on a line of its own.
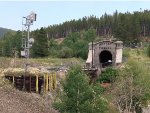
<point x="121" y="25"/>
<point x="127" y="27"/>
<point x="3" y="31"/>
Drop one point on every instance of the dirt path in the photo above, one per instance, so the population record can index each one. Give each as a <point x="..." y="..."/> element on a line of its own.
<point x="14" y="101"/>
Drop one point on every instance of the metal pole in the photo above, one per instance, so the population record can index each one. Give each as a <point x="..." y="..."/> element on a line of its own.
<point x="28" y="42"/>
<point x="28" y="54"/>
<point x="24" y="46"/>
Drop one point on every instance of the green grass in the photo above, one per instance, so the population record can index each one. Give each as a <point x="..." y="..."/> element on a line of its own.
<point x="48" y="61"/>
<point x="138" y="55"/>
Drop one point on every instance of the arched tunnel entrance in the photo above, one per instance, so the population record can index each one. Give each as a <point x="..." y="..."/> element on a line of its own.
<point x="105" y="58"/>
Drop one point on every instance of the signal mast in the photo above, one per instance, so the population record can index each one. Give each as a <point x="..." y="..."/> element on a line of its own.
<point x="26" y="40"/>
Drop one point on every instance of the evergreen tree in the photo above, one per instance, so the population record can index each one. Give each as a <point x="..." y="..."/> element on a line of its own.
<point x="17" y="41"/>
<point x="40" y="46"/>
<point x="78" y="96"/>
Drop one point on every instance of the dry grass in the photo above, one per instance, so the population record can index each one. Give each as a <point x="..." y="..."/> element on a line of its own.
<point x="59" y="40"/>
<point x="138" y="54"/>
<point x="20" y="71"/>
<point x="55" y="61"/>
<point x="34" y="62"/>
<point x="15" y="101"/>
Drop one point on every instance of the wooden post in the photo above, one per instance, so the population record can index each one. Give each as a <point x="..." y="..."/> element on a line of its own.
<point x="51" y="80"/>
<point x="13" y="80"/>
<point x="46" y="82"/>
<point x="54" y="80"/>
<point x="30" y="82"/>
<point x="37" y="84"/>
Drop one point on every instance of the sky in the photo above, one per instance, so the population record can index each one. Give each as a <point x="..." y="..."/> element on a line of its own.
<point x="56" y="12"/>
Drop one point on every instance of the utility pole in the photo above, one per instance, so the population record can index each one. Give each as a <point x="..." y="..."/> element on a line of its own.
<point x="27" y="41"/>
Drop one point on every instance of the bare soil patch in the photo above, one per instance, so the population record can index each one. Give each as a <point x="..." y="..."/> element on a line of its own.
<point x="14" y="101"/>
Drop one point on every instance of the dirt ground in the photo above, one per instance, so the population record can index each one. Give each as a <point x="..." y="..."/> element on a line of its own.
<point x="14" y="101"/>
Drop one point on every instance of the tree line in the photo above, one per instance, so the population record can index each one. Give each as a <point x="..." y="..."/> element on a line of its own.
<point x="78" y="33"/>
<point x="126" y="26"/>
<point x="74" y="45"/>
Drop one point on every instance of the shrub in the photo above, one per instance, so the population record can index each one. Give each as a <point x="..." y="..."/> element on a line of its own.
<point x="109" y="75"/>
<point x="65" y="52"/>
<point x="79" y="96"/>
<point x="126" y="53"/>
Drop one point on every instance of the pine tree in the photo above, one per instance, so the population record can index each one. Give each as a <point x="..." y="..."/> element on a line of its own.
<point x="40" y="47"/>
<point x="78" y="96"/>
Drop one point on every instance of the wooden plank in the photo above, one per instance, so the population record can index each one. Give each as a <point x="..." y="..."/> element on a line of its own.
<point x="46" y="82"/>
<point x="54" y="80"/>
<point x="51" y="80"/>
<point x="37" y="84"/>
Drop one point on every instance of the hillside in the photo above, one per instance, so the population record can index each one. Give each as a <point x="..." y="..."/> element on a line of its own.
<point x="3" y="31"/>
<point x="125" y="26"/>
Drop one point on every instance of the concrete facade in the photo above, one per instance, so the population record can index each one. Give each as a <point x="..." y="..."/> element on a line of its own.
<point x="105" y="53"/>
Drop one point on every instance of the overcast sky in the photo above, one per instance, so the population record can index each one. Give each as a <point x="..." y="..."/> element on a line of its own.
<point x="55" y="12"/>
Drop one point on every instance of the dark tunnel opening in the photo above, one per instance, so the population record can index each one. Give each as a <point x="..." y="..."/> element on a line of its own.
<point x="105" y="58"/>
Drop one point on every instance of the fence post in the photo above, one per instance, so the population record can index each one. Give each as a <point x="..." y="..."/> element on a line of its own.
<point x="51" y="81"/>
<point x="46" y="82"/>
<point x="37" y="84"/>
<point x="54" y="80"/>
